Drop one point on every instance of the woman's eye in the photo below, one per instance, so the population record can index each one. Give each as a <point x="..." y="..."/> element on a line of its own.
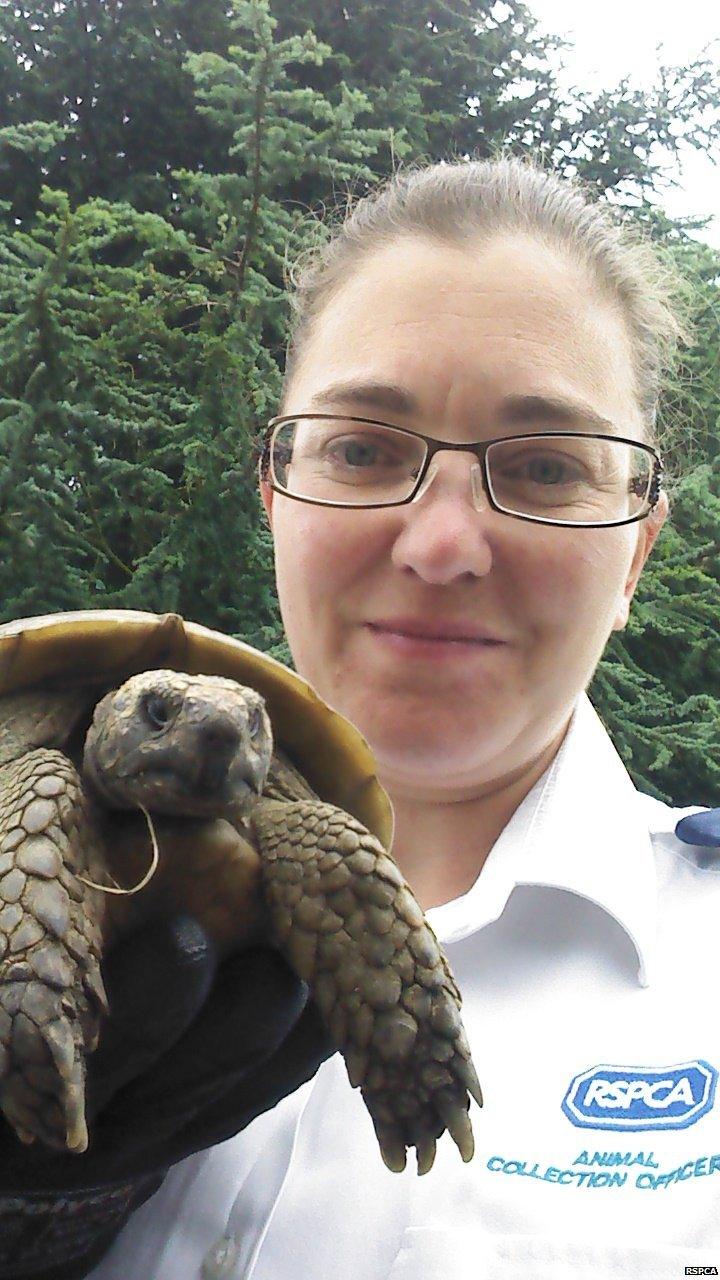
<point x="547" y="470"/>
<point x="359" y="453"/>
<point x="157" y="710"/>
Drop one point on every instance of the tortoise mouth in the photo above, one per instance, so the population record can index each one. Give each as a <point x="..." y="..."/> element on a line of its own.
<point x="210" y="789"/>
<point x="210" y="784"/>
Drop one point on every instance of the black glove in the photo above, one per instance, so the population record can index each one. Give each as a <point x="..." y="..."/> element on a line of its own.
<point x="191" y="1053"/>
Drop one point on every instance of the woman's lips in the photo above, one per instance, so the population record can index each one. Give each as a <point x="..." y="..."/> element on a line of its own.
<point x="432" y="639"/>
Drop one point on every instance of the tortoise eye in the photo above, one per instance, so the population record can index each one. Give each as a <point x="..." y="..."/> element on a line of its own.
<point x="157" y="710"/>
<point x="255" y="722"/>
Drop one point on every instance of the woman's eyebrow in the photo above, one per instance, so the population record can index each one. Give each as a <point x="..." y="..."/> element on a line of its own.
<point x="551" y="411"/>
<point x="377" y="395"/>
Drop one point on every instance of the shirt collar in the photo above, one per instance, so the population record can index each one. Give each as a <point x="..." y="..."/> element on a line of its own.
<point x="580" y="829"/>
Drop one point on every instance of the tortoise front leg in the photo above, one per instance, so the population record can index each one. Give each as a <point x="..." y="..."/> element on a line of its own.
<point x="51" y="991"/>
<point x="349" y="925"/>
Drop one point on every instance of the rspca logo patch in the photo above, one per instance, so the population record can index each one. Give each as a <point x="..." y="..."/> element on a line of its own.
<point x="631" y="1098"/>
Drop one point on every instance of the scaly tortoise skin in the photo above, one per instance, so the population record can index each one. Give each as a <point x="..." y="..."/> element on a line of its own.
<point x="183" y="721"/>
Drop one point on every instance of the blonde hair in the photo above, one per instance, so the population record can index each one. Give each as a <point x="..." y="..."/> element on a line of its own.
<point x="463" y="201"/>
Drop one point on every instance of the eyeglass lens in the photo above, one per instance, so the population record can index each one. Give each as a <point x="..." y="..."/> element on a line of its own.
<point x="584" y="480"/>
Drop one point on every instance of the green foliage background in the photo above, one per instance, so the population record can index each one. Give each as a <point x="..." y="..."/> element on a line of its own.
<point x="160" y="166"/>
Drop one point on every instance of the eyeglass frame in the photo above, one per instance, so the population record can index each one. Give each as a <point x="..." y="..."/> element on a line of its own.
<point x="479" y="448"/>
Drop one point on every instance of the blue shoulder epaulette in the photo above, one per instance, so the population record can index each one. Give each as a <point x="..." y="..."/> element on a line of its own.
<point x="700" y="828"/>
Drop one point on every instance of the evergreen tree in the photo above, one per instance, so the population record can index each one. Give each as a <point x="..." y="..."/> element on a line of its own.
<point x="94" y="415"/>
<point x="443" y="79"/>
<point x="139" y="362"/>
<point x="112" y="76"/>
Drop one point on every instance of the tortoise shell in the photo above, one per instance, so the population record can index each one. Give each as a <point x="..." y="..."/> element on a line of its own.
<point x="109" y="645"/>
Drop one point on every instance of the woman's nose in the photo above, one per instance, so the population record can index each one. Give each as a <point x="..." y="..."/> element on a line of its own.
<point x="444" y="534"/>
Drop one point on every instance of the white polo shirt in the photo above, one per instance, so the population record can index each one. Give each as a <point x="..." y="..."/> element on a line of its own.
<point x="586" y="953"/>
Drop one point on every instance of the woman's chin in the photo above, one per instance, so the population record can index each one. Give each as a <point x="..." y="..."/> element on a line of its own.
<point x="430" y="757"/>
<point x="446" y="739"/>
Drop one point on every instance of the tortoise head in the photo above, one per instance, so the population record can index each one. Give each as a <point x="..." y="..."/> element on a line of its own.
<point x="179" y="744"/>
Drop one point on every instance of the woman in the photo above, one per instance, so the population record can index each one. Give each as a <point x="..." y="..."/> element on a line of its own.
<point x="463" y="488"/>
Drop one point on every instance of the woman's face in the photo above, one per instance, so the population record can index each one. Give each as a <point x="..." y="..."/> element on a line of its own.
<point x="453" y="342"/>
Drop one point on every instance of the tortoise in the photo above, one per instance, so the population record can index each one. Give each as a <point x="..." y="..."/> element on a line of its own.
<point x="104" y="710"/>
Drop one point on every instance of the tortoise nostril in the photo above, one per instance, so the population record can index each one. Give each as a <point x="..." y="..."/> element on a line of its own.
<point x="218" y="744"/>
<point x="220" y="737"/>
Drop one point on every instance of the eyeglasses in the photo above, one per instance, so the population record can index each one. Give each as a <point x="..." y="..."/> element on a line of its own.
<point x="569" y="478"/>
